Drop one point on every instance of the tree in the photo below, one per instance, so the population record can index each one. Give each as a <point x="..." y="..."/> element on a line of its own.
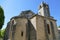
<point x="59" y="26"/>
<point x="1" y="17"/>
<point x="2" y="32"/>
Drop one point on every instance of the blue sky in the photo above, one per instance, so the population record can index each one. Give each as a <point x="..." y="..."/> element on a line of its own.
<point x="14" y="7"/>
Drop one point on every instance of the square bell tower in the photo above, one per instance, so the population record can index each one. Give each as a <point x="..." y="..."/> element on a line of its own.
<point x="44" y="10"/>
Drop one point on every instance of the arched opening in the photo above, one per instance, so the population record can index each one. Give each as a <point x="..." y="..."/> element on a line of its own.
<point x="48" y="29"/>
<point x="21" y="33"/>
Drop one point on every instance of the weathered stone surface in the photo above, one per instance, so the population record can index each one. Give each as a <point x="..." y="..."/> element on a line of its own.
<point x="29" y="26"/>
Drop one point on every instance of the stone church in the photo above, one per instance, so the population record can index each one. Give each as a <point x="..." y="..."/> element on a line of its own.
<point x="31" y="26"/>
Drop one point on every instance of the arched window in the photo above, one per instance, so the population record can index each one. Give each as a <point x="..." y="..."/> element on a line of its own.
<point x="13" y="27"/>
<point x="13" y="22"/>
<point x="21" y="33"/>
<point x="48" y="29"/>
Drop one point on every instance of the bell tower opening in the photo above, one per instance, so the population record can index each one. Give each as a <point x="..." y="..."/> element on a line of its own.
<point x="44" y="10"/>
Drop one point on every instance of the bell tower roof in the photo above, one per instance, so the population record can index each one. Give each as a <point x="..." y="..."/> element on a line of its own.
<point x="43" y="4"/>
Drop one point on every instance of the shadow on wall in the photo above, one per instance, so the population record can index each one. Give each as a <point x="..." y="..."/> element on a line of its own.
<point x="31" y="32"/>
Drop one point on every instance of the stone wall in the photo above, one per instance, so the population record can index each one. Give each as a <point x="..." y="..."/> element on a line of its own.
<point x="20" y="33"/>
<point x="40" y="28"/>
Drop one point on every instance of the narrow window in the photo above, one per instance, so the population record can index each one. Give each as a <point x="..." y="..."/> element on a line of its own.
<point x="48" y="29"/>
<point x="22" y="33"/>
<point x="12" y="21"/>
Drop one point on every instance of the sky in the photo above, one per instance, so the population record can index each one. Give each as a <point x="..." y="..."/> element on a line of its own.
<point x="14" y="7"/>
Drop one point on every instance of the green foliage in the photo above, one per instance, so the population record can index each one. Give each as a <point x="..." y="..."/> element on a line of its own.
<point x="1" y="17"/>
<point x="2" y="32"/>
<point x="59" y="26"/>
